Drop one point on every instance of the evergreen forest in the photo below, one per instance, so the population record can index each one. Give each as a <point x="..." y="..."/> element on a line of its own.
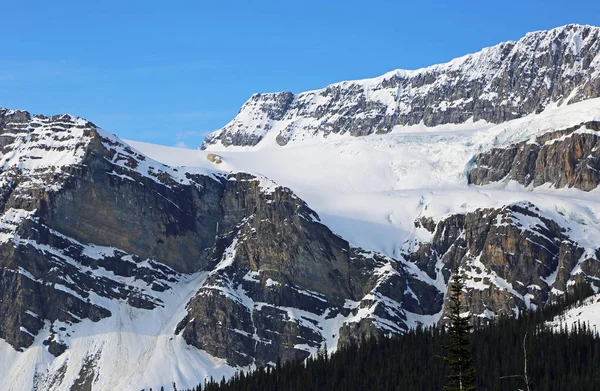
<point x="556" y="360"/>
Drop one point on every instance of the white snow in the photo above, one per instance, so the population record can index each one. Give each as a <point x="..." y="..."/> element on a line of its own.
<point x="586" y="312"/>
<point x="370" y="189"/>
<point x="137" y="349"/>
<point x="9" y="222"/>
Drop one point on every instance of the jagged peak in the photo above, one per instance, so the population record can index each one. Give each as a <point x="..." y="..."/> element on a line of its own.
<point x="42" y="146"/>
<point x="567" y="27"/>
<point x="452" y="64"/>
<point x="26" y="116"/>
<point x="4" y="111"/>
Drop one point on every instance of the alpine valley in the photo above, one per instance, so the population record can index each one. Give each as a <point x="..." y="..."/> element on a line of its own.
<point x="307" y="222"/>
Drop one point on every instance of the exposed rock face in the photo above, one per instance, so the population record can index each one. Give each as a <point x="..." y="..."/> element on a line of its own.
<point x="86" y="218"/>
<point x="258" y="303"/>
<point x="61" y="200"/>
<point x="497" y="84"/>
<point x="90" y="227"/>
<point x="286" y="284"/>
<point x="513" y="259"/>
<point x="563" y="158"/>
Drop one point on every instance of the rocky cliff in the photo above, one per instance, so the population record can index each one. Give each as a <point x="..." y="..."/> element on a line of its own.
<point x="513" y="259"/>
<point x="74" y="221"/>
<point x="286" y="284"/>
<point x="91" y="226"/>
<point x="561" y="158"/>
<point x="497" y="84"/>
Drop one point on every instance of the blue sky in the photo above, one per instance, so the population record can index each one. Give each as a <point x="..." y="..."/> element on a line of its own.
<point x="169" y="72"/>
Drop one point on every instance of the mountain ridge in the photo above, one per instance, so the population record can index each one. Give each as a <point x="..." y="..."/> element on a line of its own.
<point x="119" y="271"/>
<point x="97" y="237"/>
<point x="255" y="296"/>
<point x="562" y="64"/>
<point x="459" y="59"/>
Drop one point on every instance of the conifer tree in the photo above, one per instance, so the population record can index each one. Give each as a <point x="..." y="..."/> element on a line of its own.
<point x="462" y="371"/>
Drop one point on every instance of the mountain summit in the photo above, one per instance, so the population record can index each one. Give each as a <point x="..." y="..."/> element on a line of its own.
<point x="128" y="266"/>
<point x="497" y="84"/>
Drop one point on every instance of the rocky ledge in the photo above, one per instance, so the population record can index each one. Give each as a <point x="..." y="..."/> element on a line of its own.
<point x="563" y="158"/>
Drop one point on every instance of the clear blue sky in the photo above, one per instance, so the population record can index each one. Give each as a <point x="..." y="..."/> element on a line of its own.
<point x="169" y="72"/>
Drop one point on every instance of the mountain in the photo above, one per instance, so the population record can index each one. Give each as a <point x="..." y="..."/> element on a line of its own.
<point x="499" y="83"/>
<point x="129" y="266"/>
<point x="104" y="248"/>
<point x="433" y="198"/>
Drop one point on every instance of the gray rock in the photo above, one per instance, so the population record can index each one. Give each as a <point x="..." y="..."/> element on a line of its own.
<point x="497" y="84"/>
<point x="280" y="261"/>
<point x="563" y="158"/>
<point x="513" y="258"/>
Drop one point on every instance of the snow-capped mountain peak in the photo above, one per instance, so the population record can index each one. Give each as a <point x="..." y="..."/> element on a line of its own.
<point x="127" y="265"/>
<point x="497" y="84"/>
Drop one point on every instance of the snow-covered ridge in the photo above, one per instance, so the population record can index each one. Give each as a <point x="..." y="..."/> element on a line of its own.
<point x="44" y="147"/>
<point x="40" y="142"/>
<point x="499" y="83"/>
<point x="111" y="310"/>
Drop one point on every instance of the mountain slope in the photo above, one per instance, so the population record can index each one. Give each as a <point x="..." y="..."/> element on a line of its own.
<point x="125" y="265"/>
<point x="497" y="84"/>
<point x="234" y="270"/>
<point x="79" y="290"/>
<point x="119" y="272"/>
<point x="407" y="195"/>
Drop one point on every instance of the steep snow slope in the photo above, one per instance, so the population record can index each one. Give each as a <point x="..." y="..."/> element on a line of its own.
<point x="371" y="189"/>
<point x="585" y="313"/>
<point x="130" y="350"/>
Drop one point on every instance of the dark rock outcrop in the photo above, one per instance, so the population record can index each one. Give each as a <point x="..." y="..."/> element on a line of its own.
<point x="563" y="158"/>
<point x="513" y="259"/>
<point x="103" y="207"/>
<point x="283" y="281"/>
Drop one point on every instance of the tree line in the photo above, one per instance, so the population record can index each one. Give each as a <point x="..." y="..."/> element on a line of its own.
<point x="557" y="359"/>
